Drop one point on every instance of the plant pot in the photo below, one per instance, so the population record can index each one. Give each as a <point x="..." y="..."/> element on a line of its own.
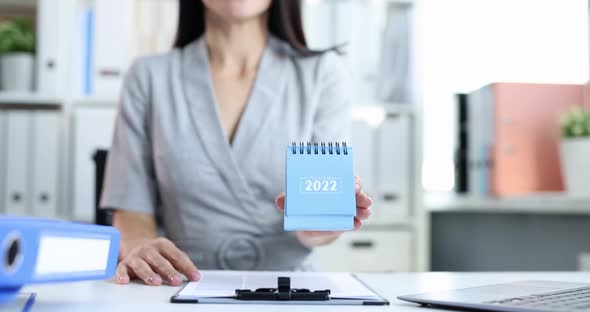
<point x="575" y="166"/>
<point x="16" y="72"/>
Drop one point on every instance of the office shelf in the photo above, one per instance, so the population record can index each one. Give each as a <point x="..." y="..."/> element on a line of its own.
<point x="374" y="114"/>
<point x="401" y="222"/>
<point x="18" y="3"/>
<point x="31" y="99"/>
<point x="94" y="101"/>
<point x="402" y="1"/>
<point x="543" y="203"/>
<point x="399" y="109"/>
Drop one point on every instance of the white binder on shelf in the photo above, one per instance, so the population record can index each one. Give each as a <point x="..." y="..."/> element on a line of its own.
<point x="3" y="149"/>
<point x="47" y="47"/>
<point x="319" y="15"/>
<point x="113" y="33"/>
<point x="481" y="105"/>
<point x="81" y="34"/>
<point x="393" y="168"/>
<point x="53" y="26"/>
<point x="17" y="197"/>
<point x="363" y="141"/>
<point x="45" y="156"/>
<point x="93" y="130"/>
<point x="154" y="26"/>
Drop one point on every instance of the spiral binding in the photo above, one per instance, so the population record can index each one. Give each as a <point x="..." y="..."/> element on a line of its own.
<point x="315" y="148"/>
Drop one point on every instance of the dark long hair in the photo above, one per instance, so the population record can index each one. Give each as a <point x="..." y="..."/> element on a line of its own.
<point x="284" y="22"/>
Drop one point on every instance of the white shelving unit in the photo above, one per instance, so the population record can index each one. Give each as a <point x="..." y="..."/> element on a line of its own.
<point x="94" y="102"/>
<point x="64" y="103"/>
<point x="66" y="110"/>
<point x="395" y="238"/>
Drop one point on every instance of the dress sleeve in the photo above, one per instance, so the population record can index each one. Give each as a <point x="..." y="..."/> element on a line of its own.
<point x="130" y="182"/>
<point x="332" y="117"/>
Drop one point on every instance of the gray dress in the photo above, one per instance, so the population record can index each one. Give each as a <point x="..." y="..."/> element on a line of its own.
<point x="170" y="155"/>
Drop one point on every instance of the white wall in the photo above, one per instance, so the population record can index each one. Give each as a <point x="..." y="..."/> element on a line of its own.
<point x="469" y="43"/>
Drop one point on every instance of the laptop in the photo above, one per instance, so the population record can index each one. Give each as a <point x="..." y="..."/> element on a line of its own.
<point x="525" y="296"/>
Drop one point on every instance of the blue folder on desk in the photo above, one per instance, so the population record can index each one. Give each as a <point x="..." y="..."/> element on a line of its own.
<point x="319" y="187"/>
<point x="41" y="251"/>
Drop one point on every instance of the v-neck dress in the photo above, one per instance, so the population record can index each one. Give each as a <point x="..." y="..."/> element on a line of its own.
<point x="170" y="156"/>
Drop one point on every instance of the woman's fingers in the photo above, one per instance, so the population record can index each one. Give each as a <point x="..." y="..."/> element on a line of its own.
<point x="357" y="224"/>
<point x="179" y="259"/>
<point x="121" y="274"/>
<point x="280" y="202"/>
<point x="362" y="200"/>
<point x="321" y="233"/>
<point x="358" y="185"/>
<point x="363" y="213"/>
<point x="163" y="267"/>
<point x="156" y="261"/>
<point x="144" y="272"/>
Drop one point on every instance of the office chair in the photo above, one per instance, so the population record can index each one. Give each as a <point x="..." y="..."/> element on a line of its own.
<point x="105" y="216"/>
<point x="102" y="216"/>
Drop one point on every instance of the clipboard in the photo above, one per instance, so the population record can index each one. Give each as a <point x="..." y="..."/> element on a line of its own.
<point x="292" y="288"/>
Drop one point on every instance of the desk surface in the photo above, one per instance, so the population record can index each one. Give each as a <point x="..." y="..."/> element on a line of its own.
<point x="107" y="296"/>
<point x="547" y="203"/>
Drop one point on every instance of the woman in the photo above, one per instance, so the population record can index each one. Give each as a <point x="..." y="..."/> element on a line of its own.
<point x="199" y="140"/>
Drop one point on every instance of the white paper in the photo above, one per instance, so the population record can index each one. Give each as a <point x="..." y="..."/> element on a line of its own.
<point x="217" y="284"/>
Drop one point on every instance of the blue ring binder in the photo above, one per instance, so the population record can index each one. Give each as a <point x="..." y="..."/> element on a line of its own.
<point x="29" y="247"/>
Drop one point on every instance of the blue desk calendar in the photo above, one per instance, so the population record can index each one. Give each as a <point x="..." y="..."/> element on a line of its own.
<point x="319" y="187"/>
<point x="41" y="251"/>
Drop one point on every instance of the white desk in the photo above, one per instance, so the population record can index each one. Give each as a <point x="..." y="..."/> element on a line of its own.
<point x="541" y="204"/>
<point x="107" y="296"/>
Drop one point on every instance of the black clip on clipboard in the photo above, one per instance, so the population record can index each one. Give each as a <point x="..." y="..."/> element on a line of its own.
<point x="283" y="292"/>
<point x="213" y="292"/>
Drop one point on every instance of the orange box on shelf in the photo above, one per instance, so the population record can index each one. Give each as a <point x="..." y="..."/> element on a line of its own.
<point x="517" y="126"/>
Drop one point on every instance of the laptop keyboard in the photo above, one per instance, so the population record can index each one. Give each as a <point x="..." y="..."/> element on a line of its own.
<point x="569" y="300"/>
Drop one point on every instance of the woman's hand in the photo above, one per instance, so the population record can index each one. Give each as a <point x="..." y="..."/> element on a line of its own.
<point x="318" y="238"/>
<point x="154" y="261"/>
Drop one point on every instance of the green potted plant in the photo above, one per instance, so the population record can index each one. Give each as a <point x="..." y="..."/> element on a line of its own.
<point x="17" y="48"/>
<point x="575" y="151"/>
